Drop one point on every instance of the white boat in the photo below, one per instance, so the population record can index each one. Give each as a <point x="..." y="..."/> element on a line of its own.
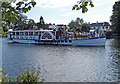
<point x="38" y="36"/>
<point x="95" y="41"/>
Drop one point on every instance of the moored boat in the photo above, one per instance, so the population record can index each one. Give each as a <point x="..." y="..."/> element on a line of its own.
<point x="55" y="37"/>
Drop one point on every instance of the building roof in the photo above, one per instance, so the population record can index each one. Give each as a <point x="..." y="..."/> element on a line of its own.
<point x="62" y="26"/>
<point x="100" y="24"/>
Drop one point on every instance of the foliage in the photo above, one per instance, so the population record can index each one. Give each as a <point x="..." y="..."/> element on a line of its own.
<point x="20" y="24"/>
<point x="12" y="13"/>
<point x="79" y="20"/>
<point x="85" y="27"/>
<point x="30" y="23"/>
<point x="115" y="18"/>
<point x="45" y="26"/>
<point x="79" y="25"/>
<point x="109" y="34"/>
<point x="73" y="25"/>
<point x="82" y="4"/>
<point x="24" y="24"/>
<point x="25" y="77"/>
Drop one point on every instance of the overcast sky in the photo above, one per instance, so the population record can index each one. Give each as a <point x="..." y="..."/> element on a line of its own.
<point x="60" y="11"/>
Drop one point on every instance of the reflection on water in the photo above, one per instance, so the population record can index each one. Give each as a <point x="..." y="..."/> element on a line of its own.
<point x="65" y="63"/>
<point x="115" y="57"/>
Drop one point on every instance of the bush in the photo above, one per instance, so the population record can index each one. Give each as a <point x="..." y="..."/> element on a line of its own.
<point x="109" y="34"/>
<point x="25" y="77"/>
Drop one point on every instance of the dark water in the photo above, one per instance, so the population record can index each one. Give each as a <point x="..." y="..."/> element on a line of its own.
<point x="64" y="63"/>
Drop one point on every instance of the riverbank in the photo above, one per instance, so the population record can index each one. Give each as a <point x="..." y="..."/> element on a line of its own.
<point x="111" y="35"/>
<point x="116" y="36"/>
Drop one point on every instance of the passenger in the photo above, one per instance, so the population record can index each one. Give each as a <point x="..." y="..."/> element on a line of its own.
<point x="93" y="34"/>
<point x="75" y="35"/>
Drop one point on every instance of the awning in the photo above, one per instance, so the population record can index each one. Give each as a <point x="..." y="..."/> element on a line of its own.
<point x="92" y="30"/>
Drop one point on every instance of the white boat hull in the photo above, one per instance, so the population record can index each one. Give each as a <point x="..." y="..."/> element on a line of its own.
<point x="89" y="42"/>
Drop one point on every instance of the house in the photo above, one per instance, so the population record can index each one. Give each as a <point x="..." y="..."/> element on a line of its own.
<point x="63" y="27"/>
<point x="100" y="28"/>
<point x="59" y="27"/>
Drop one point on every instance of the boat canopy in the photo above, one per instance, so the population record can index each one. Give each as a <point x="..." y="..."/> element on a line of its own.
<point x="92" y="30"/>
<point x="10" y="30"/>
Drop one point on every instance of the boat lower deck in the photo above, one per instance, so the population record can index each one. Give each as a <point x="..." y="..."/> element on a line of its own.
<point x="74" y="42"/>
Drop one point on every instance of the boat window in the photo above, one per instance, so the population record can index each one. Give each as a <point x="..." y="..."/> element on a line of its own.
<point x="62" y="41"/>
<point x="36" y="33"/>
<point x="26" y="33"/>
<point x="17" y="33"/>
<point x="39" y="33"/>
<point x="21" y="33"/>
<point x="30" y="33"/>
<point x="13" y="33"/>
<point x="53" y="32"/>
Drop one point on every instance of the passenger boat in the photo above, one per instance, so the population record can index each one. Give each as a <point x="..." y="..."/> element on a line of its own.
<point x="55" y="37"/>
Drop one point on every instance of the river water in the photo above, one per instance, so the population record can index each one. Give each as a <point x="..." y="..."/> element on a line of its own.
<point x="64" y="63"/>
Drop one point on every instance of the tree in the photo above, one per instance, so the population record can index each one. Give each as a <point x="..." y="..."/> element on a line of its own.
<point x="80" y="21"/>
<point x="21" y="23"/>
<point x="85" y="27"/>
<point x="82" y="4"/>
<point x="30" y="23"/>
<point x="73" y="25"/>
<point x="12" y="13"/>
<point x="115" y="18"/>
<point x="24" y="24"/>
<point x="79" y="25"/>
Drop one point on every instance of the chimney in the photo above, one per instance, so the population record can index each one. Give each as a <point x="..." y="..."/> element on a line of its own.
<point x="88" y="22"/>
<point x="97" y="22"/>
